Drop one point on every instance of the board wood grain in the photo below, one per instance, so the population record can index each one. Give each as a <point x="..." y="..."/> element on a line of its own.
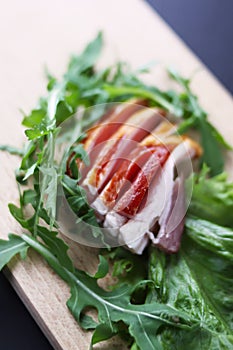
<point x="47" y="32"/>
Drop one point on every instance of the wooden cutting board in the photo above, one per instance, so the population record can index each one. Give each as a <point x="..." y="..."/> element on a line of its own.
<point x="47" y="32"/>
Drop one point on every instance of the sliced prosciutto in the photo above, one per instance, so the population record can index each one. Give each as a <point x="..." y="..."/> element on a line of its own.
<point x="122" y="179"/>
<point x="130" y="167"/>
<point x="131" y="200"/>
<point x="135" y="181"/>
<point x="109" y="124"/>
<point x="117" y="148"/>
<point x="164" y="208"/>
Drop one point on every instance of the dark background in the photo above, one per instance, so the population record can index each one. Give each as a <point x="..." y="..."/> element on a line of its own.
<point x="207" y="28"/>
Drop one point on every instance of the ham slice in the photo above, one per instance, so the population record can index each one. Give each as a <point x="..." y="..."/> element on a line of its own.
<point x="131" y="166"/>
<point x="109" y="124"/>
<point x="164" y="206"/>
<point x="116" y="149"/>
<point x="135" y="181"/>
<point x="130" y="202"/>
<point x="172" y="220"/>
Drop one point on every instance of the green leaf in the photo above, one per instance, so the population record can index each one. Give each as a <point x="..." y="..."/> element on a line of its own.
<point x="213" y="237"/>
<point x="49" y="191"/>
<point x="76" y="197"/>
<point x="155" y="96"/>
<point x="33" y="197"/>
<point x="12" y="150"/>
<point x="102" y="268"/>
<point x="211" y="139"/>
<point x="30" y="197"/>
<point x="220" y="138"/>
<point x="213" y="273"/>
<point x="212" y="198"/>
<point x="36" y="133"/>
<point x="28" y="159"/>
<point x="186" y="125"/>
<point x="212" y="155"/>
<point x="57" y="246"/>
<point x="197" y="281"/>
<point x="121" y="267"/>
<point x="35" y="118"/>
<point x="49" y="179"/>
<point x="87" y="59"/>
<point x="8" y="249"/>
<point x="129" y="268"/>
<point x="18" y="215"/>
<point x="134" y="347"/>
<point x="64" y="110"/>
<point x="87" y="322"/>
<point x="55" y="96"/>
<point x="81" y="153"/>
<point x="157" y="273"/>
<point x="30" y="171"/>
<point x="178" y="78"/>
<point x="144" y="321"/>
<point x="103" y="332"/>
<point x="115" y="306"/>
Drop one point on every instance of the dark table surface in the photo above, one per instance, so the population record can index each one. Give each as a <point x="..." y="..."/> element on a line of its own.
<point x="207" y="28"/>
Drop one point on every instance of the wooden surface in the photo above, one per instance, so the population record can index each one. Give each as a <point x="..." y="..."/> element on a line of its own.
<point x="47" y="32"/>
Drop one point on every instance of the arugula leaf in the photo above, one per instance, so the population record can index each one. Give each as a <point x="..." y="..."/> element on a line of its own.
<point x="87" y="59"/>
<point x="27" y="160"/>
<point x="144" y="321"/>
<point x="30" y="171"/>
<point x="49" y="190"/>
<point x="151" y="94"/>
<point x="36" y="133"/>
<point x="79" y="152"/>
<point x="76" y="197"/>
<point x="56" y="245"/>
<point x="127" y="267"/>
<point x="219" y="137"/>
<point x="32" y="197"/>
<point x="103" y="268"/>
<point x="185" y="308"/>
<point x="35" y="118"/>
<point x="212" y="198"/>
<point x="61" y="102"/>
<point x="8" y="249"/>
<point x="17" y="213"/>
<point x="47" y="112"/>
<point x="196" y="117"/>
<point x="12" y="150"/>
